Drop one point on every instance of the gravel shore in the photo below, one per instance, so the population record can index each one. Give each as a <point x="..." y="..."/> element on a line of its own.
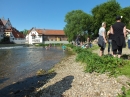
<point x="71" y="81"/>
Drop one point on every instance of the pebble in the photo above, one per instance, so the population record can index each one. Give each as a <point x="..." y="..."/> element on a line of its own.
<point x="72" y="81"/>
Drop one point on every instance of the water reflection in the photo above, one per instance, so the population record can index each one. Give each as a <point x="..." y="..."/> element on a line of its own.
<point x="20" y="63"/>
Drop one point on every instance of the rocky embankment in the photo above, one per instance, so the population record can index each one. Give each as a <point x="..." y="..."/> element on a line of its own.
<point x="71" y="81"/>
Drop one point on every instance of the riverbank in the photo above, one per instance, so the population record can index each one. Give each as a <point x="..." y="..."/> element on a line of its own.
<point x="71" y="81"/>
<point x="19" y="67"/>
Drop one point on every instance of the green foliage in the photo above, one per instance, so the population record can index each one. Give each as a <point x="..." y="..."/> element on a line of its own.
<point x="125" y="70"/>
<point x="95" y="63"/>
<point x="105" y="64"/>
<point x="77" y="22"/>
<point x="125" y="12"/>
<point x="70" y="45"/>
<point x="5" y="39"/>
<point x="125" y="93"/>
<point x="105" y="12"/>
<point x="25" y="31"/>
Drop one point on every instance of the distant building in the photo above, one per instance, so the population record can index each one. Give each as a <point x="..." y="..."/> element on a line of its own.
<point x="7" y="30"/>
<point x="2" y="27"/>
<point x="46" y="36"/>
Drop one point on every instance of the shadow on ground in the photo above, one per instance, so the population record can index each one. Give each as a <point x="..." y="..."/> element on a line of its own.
<point x="126" y="56"/>
<point x="57" y="89"/>
<point x="25" y="87"/>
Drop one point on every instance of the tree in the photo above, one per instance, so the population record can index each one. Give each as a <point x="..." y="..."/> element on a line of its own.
<point x="25" y="32"/>
<point x="77" y="22"/>
<point x="105" y="12"/>
<point x="125" y="12"/>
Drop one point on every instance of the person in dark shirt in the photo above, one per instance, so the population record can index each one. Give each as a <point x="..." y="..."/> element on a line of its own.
<point x="109" y="35"/>
<point x="118" y="38"/>
<point x="77" y="41"/>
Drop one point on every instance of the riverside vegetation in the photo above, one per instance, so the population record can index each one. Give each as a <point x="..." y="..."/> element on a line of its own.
<point x="105" y="64"/>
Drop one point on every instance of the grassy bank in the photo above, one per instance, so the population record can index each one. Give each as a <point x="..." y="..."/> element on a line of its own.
<point x="104" y="64"/>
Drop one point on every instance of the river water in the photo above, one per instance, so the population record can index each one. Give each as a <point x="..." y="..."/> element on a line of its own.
<point x="18" y="67"/>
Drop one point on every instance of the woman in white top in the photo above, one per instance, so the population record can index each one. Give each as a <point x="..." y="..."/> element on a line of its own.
<point x="102" y="38"/>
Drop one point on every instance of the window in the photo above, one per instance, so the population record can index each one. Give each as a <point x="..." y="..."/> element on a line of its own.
<point x="33" y="37"/>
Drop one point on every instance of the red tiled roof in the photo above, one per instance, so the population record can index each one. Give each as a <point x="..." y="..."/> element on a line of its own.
<point x="40" y="31"/>
<point x="54" y="32"/>
<point x="48" y="32"/>
<point x="17" y="34"/>
<point x="14" y="31"/>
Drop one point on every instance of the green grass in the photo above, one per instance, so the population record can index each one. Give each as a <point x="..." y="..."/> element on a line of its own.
<point x="125" y="93"/>
<point x="106" y="63"/>
<point x="125" y="70"/>
<point x="113" y="66"/>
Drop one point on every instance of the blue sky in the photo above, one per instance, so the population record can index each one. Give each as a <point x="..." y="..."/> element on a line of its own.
<point x="47" y="14"/>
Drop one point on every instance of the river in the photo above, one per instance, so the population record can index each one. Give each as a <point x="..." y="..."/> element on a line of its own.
<point x="18" y="67"/>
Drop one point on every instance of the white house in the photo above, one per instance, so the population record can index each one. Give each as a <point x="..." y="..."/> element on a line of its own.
<point x="46" y="36"/>
<point x="7" y="30"/>
<point x="34" y="36"/>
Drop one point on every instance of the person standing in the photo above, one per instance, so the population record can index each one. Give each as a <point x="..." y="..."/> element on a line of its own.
<point x="128" y="37"/>
<point x="89" y="43"/>
<point x="77" y="41"/>
<point x="109" y="42"/>
<point x="63" y="47"/>
<point x="118" y="30"/>
<point x="102" y="38"/>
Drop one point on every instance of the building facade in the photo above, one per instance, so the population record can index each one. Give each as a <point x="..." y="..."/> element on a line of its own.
<point x="46" y="36"/>
<point x="8" y="31"/>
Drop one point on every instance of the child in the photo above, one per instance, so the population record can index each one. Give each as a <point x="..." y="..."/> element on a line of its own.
<point x="63" y="47"/>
